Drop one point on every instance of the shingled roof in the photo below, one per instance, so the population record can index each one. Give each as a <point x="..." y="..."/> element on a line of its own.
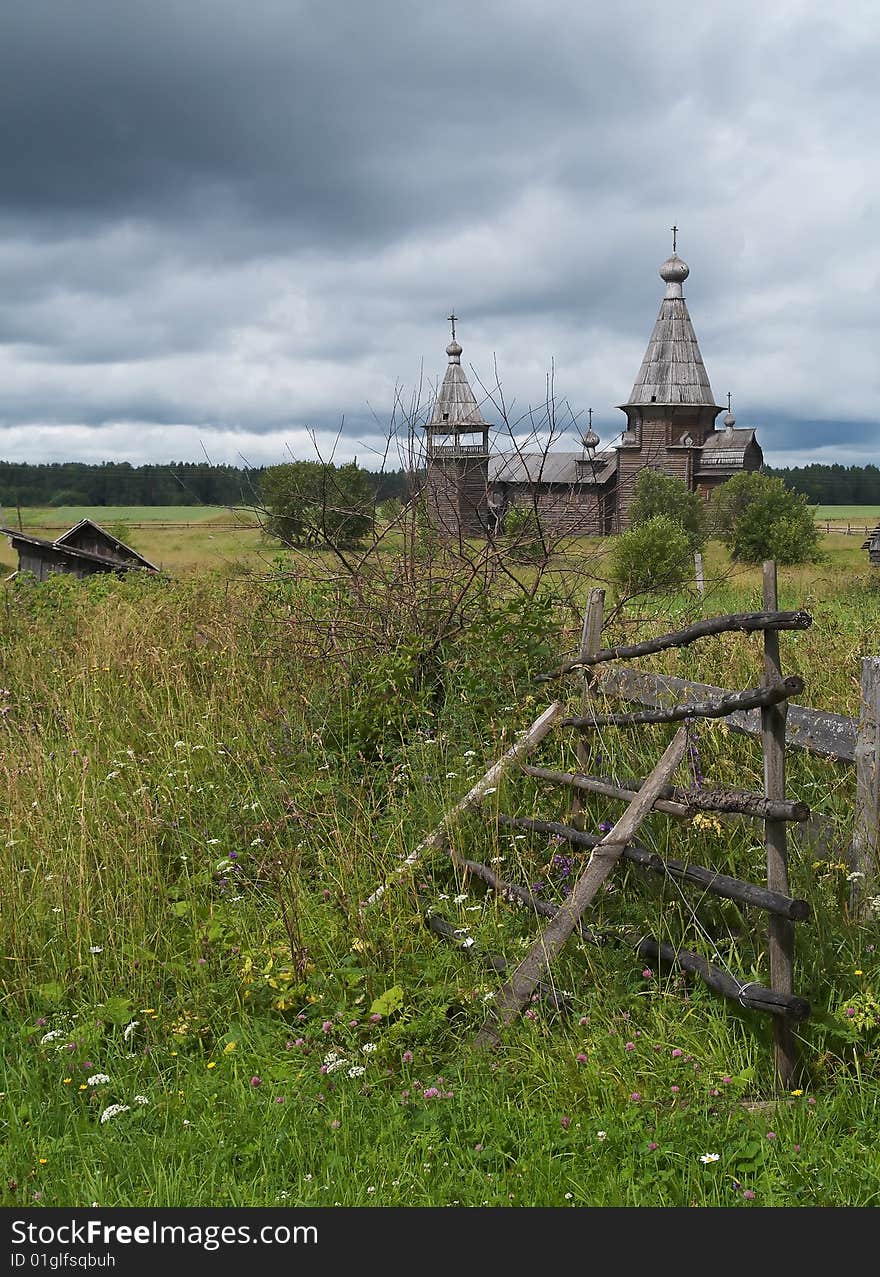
<point x="672" y="370"/>
<point x="456" y="407"/>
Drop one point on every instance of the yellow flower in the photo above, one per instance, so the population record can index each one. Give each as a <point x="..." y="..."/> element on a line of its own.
<point x="174" y="1053"/>
<point x="67" y="1081"/>
<point x="212" y="1065"/>
<point x="797" y="1092"/>
<point x="858" y="972"/>
<point x="43" y="1161"/>
<point x="229" y="1048"/>
<point x="83" y="1087"/>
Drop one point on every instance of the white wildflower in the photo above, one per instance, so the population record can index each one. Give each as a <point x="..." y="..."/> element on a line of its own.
<point x="113" y="1110"/>
<point x="96" y="948"/>
<point x="129" y="1029"/>
<point x="331" y="1057"/>
<point x="51" y="1036"/>
<point x="180" y="744"/>
<point x="57" y="909"/>
<point x="491" y="790"/>
<point x="705" y="1158"/>
<point x="356" y="1070"/>
<point x="457" y="900"/>
<point x="111" y="775"/>
<point x="451" y="775"/>
<point x="337" y="1064"/>
<point x="141" y="1099"/>
<point x="470" y="753"/>
<point x="368" y="1048"/>
<point x="601" y="1135"/>
<point x="854" y="876"/>
<point x="257" y="842"/>
<point x="213" y="842"/>
<point x="97" y="1079"/>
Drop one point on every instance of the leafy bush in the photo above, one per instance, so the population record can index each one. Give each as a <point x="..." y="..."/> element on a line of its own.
<point x="657" y="493"/>
<point x="523" y="536"/>
<point x="758" y="517"/>
<point x="317" y="503"/>
<point x="654" y="556"/>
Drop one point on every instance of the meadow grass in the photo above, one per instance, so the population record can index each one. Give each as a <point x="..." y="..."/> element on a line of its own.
<point x="196" y="798"/>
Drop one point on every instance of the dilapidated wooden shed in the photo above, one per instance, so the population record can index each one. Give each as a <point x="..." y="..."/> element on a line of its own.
<point x="82" y="550"/>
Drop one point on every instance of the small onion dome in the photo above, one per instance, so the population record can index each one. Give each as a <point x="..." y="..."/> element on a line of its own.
<point x="729" y="421"/>
<point x="590" y="439"/>
<point x="674" y="270"/>
<point x="453" y="350"/>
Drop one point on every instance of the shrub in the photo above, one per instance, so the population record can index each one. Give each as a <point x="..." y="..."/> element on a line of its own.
<point x="317" y="503"/>
<point x="657" y="493"/>
<point x="654" y="556"/>
<point x="523" y="536"/>
<point x="758" y="518"/>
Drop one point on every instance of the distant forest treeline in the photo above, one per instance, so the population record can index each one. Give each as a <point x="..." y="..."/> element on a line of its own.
<point x="118" y="483"/>
<point x="198" y="483"/>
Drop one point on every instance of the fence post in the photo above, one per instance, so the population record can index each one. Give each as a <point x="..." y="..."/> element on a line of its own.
<point x="781" y="931"/>
<point x="591" y="641"/>
<point x="865" y="858"/>
<point x="698" y="568"/>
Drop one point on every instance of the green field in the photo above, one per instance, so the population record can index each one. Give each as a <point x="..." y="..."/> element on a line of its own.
<point x="865" y="515"/>
<point x="204" y="775"/>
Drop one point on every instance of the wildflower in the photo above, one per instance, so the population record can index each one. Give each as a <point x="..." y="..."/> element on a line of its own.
<point x="636" y="1097"/>
<point x="601" y="1135"/>
<point x="113" y="1110"/>
<point x="356" y="1070"/>
<point x="748" y="1194"/>
<point x="141" y="1099"/>
<point x="67" y="1081"/>
<point x="371" y="1189"/>
<point x="726" y="1080"/>
<point x="771" y="1135"/>
<point x="129" y="1029"/>
<point x="451" y="775"/>
<point x="565" y="1122"/>
<point x="96" y="948"/>
<point x="797" y="1092"/>
<point x="279" y="1099"/>
<point x="530" y="1015"/>
<point x="97" y="1079"/>
<point x="647" y="973"/>
<point x="581" y="1058"/>
<point x="229" y="1048"/>
<point x="368" y="1048"/>
<point x="710" y="1157"/>
<point x="43" y="1161"/>
<point x="850" y="1011"/>
<point x="652" y="1146"/>
<point x="83" y="1086"/>
<point x="326" y="1026"/>
<point x="858" y="972"/>
<point x="211" y="1064"/>
<point x="675" y="1089"/>
<point x="431" y="1093"/>
<point x="630" y="1046"/>
<point x="677" y="1053"/>
<point x="375" y="1018"/>
<point x="407" y="1057"/>
<point x="51" y="1036"/>
<point x="582" y="1021"/>
<point x="569" y="1196"/>
<point x="335" y="1124"/>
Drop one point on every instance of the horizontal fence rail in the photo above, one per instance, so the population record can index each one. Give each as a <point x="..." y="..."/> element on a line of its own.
<point x="814" y="730"/>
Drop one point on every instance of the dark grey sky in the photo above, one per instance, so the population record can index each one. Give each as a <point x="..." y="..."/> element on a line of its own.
<point x="225" y="224"/>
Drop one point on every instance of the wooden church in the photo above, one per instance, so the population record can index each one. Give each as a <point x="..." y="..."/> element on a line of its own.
<point x="670" y="426"/>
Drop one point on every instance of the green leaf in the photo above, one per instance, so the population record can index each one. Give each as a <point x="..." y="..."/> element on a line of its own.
<point x="180" y="908"/>
<point x="117" y="1010"/>
<point x="388" y="1002"/>
<point x="51" y="991"/>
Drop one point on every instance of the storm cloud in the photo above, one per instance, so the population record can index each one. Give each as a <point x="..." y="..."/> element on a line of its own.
<point x="238" y="228"/>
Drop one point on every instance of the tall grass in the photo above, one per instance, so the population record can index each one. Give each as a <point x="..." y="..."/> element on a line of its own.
<point x="196" y="798"/>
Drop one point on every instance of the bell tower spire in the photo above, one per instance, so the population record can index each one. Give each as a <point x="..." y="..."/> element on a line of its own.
<point x="458" y="453"/>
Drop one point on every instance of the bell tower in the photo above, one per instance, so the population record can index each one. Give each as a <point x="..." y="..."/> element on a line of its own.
<point x="457" y="454"/>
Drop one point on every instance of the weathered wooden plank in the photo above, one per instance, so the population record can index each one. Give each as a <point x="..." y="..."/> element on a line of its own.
<point x="719" y="884"/>
<point x="866" y="832"/>
<point x="780" y="930"/>
<point x="742" y="622"/>
<point x="590" y="641"/>
<point x="677" y="801"/>
<point x="516" y="991"/>
<point x="812" y="730"/>
<point x="754" y="996"/>
<point x="725" y="705"/>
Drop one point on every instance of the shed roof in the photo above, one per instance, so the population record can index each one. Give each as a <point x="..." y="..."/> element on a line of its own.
<point x="726" y="449"/>
<point x="113" y="542"/>
<point x="672" y="370"/>
<point x="59" y="547"/>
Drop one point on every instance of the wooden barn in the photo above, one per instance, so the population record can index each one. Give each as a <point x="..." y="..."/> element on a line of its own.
<point x="82" y="550"/>
<point x="670" y="426"/>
